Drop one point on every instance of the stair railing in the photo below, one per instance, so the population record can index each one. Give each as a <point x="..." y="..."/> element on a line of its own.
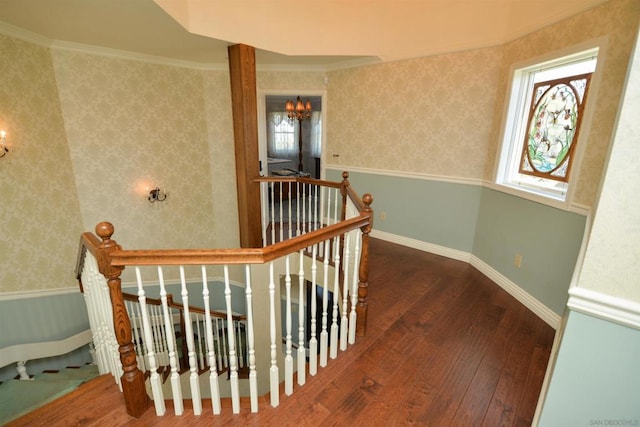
<point x="161" y="343"/>
<point x="330" y="252"/>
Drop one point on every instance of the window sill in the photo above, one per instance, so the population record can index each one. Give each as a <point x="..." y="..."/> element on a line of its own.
<point x="532" y="195"/>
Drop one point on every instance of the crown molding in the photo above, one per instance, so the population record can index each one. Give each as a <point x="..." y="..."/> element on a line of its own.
<point x="24" y="35"/>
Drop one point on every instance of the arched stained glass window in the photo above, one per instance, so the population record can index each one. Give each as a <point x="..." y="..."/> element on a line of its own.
<point x="552" y="129"/>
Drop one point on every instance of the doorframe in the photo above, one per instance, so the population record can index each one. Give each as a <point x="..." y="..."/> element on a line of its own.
<point x="262" y="122"/>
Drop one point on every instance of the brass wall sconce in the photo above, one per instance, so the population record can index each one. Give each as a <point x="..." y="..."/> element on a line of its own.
<point x="157" y="195"/>
<point x="3" y="143"/>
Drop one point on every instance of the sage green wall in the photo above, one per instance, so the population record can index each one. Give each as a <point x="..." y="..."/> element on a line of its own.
<point x="489" y="224"/>
<point x="548" y="239"/>
<point x="436" y="212"/>
<point x="596" y="375"/>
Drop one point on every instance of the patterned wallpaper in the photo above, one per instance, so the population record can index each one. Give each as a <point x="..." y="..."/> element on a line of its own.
<point x="426" y="115"/>
<point x="132" y="126"/>
<point x="612" y="259"/>
<point x="40" y="219"/>
<point x="442" y="114"/>
<point x="91" y="133"/>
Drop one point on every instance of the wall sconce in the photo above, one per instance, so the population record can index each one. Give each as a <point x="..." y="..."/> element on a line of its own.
<point x="157" y="195"/>
<point x="3" y="143"/>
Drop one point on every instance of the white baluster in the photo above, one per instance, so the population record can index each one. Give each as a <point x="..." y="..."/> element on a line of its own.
<point x="233" y="366"/>
<point x="336" y="218"/>
<point x="137" y="345"/>
<point x="264" y="212"/>
<point x="288" y="360"/>
<point x="213" y="369"/>
<point x="324" y="335"/>
<point x="301" y="320"/>
<point x="156" y="384"/>
<point x="281" y="219"/>
<point x="313" y="342"/>
<point x="253" y="379"/>
<point x="218" y="342"/>
<point x="273" y="371"/>
<point x="298" y="202"/>
<point x="290" y="210"/>
<point x="354" y="288"/>
<point x="273" y="211"/>
<point x="193" y="376"/>
<point x="170" y="335"/>
<point x="344" y="321"/>
<point x="336" y="296"/>
<point x="313" y="189"/>
<point x="199" y="326"/>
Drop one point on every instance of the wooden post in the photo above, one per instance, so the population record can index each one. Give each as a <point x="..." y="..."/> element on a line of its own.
<point x="133" y="387"/>
<point x="242" y="72"/>
<point x="363" y="273"/>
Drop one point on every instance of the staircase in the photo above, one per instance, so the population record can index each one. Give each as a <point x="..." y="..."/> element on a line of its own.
<point x="18" y="397"/>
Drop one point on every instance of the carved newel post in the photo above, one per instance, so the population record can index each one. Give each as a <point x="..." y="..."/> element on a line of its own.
<point x="363" y="281"/>
<point x="133" y="387"/>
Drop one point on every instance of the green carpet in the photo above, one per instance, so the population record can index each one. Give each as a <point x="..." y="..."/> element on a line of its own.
<point x="20" y="397"/>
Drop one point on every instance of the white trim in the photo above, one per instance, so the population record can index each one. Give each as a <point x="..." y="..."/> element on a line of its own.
<point x="422" y="246"/>
<point x="38" y="293"/>
<point x="134" y="56"/>
<point x="539" y="309"/>
<point x="414" y="175"/>
<point x="542" y="311"/>
<point x="605" y="307"/>
<point x="24" y="35"/>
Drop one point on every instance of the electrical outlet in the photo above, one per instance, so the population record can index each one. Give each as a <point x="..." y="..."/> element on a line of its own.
<point x="517" y="260"/>
<point x="383" y="215"/>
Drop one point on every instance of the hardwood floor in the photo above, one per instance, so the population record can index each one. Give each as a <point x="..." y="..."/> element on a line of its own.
<point x="445" y="346"/>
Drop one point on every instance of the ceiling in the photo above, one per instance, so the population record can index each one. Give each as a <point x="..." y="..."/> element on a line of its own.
<point x="312" y="33"/>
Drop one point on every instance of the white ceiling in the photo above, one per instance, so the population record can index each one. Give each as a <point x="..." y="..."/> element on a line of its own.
<point x="311" y="33"/>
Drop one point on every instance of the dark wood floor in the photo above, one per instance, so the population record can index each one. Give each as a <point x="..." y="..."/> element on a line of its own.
<point x="444" y="347"/>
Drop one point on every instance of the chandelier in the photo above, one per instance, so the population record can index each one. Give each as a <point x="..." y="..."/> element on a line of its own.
<point x="298" y="111"/>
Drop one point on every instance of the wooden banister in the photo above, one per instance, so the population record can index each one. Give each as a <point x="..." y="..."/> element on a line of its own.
<point x="112" y="260"/>
<point x="363" y="282"/>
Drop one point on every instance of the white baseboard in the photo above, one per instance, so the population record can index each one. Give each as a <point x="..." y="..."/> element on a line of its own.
<point x="422" y="246"/>
<point x="542" y="311"/>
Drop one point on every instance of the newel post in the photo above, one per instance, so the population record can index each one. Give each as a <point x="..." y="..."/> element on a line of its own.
<point x="363" y="273"/>
<point x="343" y="191"/>
<point x="133" y="387"/>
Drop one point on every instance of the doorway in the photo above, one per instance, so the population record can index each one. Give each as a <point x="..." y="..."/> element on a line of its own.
<point x="279" y="138"/>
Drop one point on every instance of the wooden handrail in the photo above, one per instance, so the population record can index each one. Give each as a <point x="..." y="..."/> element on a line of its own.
<point x="112" y="260"/>
<point x="122" y="258"/>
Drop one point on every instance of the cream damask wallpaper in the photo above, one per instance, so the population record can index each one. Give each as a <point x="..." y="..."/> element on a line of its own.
<point x="441" y="115"/>
<point x="132" y="126"/>
<point x="92" y="134"/>
<point x="40" y="222"/>
<point x="426" y="115"/>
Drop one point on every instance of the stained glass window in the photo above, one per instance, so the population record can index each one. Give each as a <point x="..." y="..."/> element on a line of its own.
<point x="552" y="128"/>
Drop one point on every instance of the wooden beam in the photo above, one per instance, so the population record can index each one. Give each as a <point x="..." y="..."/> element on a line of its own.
<point x="242" y="71"/>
